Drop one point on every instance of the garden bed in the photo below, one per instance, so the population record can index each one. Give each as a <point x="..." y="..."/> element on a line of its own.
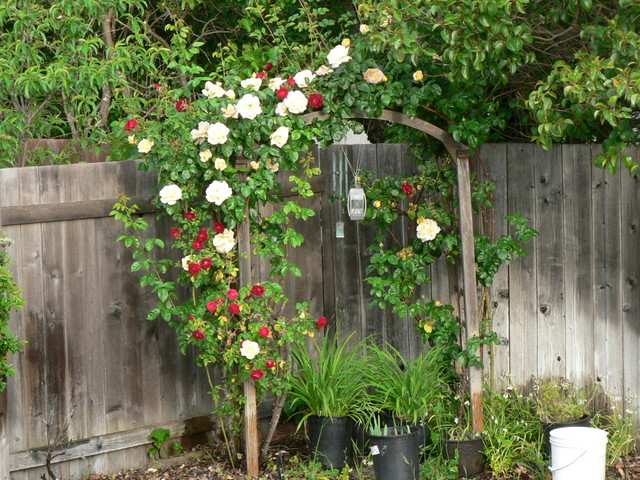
<point x="206" y="463"/>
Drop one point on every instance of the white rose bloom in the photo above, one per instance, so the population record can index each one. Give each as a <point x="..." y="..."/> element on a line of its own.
<point x="217" y="133"/>
<point x="338" y="55"/>
<point x="364" y="29"/>
<point x="206" y="155"/>
<point x="427" y="230"/>
<point x="304" y="78"/>
<point x="279" y="137"/>
<point x="276" y="83"/>
<point x="281" y="109"/>
<point x="255" y="165"/>
<point x="249" y="349"/>
<point x="323" y="70"/>
<point x="218" y="191"/>
<point x="296" y="102"/>
<point x="170" y="194"/>
<point x="131" y="139"/>
<point x="185" y="262"/>
<point x="251" y="83"/>
<point x="225" y="241"/>
<point x="230" y="94"/>
<point x="220" y="163"/>
<point x="249" y="106"/>
<point x="199" y="134"/>
<point x="230" y="111"/>
<point x="145" y="145"/>
<point x="213" y="90"/>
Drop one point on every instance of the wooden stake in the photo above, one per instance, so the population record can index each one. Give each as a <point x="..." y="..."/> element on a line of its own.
<point x="470" y="290"/>
<point x="251" y="436"/>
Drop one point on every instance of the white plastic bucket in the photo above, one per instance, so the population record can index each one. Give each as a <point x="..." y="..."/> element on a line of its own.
<point x="578" y="453"/>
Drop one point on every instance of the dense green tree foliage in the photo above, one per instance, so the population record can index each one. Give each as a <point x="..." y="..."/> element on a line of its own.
<point x="496" y="70"/>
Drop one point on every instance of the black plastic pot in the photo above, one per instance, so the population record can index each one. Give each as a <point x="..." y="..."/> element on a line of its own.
<point x="330" y="440"/>
<point x="470" y="455"/>
<point x="396" y="455"/>
<point x="581" y="422"/>
<point x="424" y="433"/>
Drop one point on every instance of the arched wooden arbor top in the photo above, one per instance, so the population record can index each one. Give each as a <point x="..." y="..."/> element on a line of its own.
<point x="460" y="153"/>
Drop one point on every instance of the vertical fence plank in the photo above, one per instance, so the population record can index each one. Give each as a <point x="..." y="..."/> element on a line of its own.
<point x="578" y="271"/>
<point x="550" y="261"/>
<point x="607" y="293"/>
<point x="494" y="159"/>
<point x="33" y="375"/>
<point x="523" y="335"/>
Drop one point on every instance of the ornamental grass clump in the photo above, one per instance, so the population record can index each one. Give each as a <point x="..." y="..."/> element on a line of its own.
<point x="408" y="390"/>
<point x="331" y="378"/>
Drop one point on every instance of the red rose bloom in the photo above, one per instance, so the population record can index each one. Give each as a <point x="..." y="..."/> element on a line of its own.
<point x="218" y="227"/>
<point x="232" y="294"/>
<point x="198" y="334"/>
<point x="197" y="245"/>
<point x="202" y="236"/>
<point x="190" y="216"/>
<point x="191" y="318"/>
<point x="269" y="364"/>
<point x="219" y="301"/>
<point x="321" y="323"/>
<point x="316" y="100"/>
<point x="212" y="306"/>
<point x="261" y="74"/>
<point x="131" y="124"/>
<point x="257" y="374"/>
<point x="257" y="290"/>
<point x="291" y="81"/>
<point x="268" y="66"/>
<point x="282" y="93"/>
<point x="406" y="188"/>
<point x="194" y="268"/>
<point x="206" y="263"/>
<point x="175" y="232"/>
<point x="157" y="86"/>
<point x="234" y="308"/>
<point x="264" y="332"/>
<point x="181" y="105"/>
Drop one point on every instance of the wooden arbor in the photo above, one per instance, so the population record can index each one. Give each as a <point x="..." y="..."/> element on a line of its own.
<point x="460" y="153"/>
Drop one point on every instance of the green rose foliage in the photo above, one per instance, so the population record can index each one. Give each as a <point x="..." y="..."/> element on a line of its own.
<point x="9" y="300"/>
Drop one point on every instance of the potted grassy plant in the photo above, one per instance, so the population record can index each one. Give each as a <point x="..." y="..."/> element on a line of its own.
<point x="561" y="404"/>
<point x="407" y="391"/>
<point x="329" y="388"/>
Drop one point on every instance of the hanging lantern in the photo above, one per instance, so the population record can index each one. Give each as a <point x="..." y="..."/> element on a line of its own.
<point x="356" y="203"/>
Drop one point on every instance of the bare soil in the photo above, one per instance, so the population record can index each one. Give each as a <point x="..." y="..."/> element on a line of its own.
<point x="205" y="463"/>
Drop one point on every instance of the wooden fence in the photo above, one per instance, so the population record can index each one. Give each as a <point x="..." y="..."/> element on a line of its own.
<point x="94" y="365"/>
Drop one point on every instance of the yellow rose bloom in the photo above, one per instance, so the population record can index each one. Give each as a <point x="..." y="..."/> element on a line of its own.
<point x="377" y="204"/>
<point x="418" y="75"/>
<point x="346" y="42"/>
